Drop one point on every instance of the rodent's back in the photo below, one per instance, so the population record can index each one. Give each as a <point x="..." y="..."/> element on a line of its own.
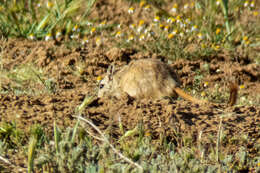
<point x="147" y="78"/>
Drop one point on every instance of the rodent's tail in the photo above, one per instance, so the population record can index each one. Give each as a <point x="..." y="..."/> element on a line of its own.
<point x="186" y="96"/>
<point x="233" y="89"/>
<point x="232" y="98"/>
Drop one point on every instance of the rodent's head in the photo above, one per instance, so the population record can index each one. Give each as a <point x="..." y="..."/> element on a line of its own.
<point x="106" y="84"/>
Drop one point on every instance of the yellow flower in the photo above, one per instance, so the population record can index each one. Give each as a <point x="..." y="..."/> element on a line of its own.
<point x="48" y="37"/>
<point x="31" y="37"/>
<point x="58" y="34"/>
<point x="49" y="4"/>
<point x="142" y="37"/>
<point x="192" y="4"/>
<point x="247" y="42"/>
<point x="166" y="28"/>
<point x="170" y="20"/>
<point x="174" y="8"/>
<point x="178" y="17"/>
<point x="131" y="10"/>
<point x="246" y="4"/>
<point x="245" y="38"/>
<point x="141" y="22"/>
<point x="93" y="30"/>
<point x="76" y="28"/>
<point x="103" y="23"/>
<point x="132" y="26"/>
<point x="140" y="26"/>
<point x="216" y="47"/>
<point x="147" y="134"/>
<point x="218" y="30"/>
<point x="170" y="36"/>
<point x="161" y="26"/>
<point x="130" y="38"/>
<point x="203" y="94"/>
<point x="255" y="13"/>
<point x="188" y="21"/>
<point x="252" y="4"/>
<point x="194" y="28"/>
<point x="98" y="41"/>
<point x="218" y="2"/>
<point x="186" y="6"/>
<point x="206" y="84"/>
<point x="241" y="86"/>
<point x="156" y="18"/>
<point x="85" y="40"/>
<point x="142" y="3"/>
<point x="119" y="34"/>
<point x="200" y="36"/>
<point x="147" y="7"/>
<point x="99" y="78"/>
<point x="175" y="31"/>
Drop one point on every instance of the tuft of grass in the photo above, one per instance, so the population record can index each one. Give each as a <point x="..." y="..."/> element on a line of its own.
<point x="22" y="19"/>
<point x="68" y="155"/>
<point x="31" y="153"/>
<point x="10" y="135"/>
<point x="24" y="79"/>
<point x="79" y="152"/>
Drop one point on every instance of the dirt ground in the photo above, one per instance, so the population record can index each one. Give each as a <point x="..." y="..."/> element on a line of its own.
<point x="158" y="117"/>
<point x="60" y="61"/>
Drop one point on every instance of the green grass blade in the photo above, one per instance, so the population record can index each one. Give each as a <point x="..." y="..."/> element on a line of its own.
<point x="56" y="137"/>
<point x="31" y="153"/>
<point x="43" y="23"/>
<point x="225" y="12"/>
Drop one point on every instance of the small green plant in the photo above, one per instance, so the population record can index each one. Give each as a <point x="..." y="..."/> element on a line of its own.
<point x="31" y="20"/>
<point x="25" y="78"/>
<point x="69" y="153"/>
<point x="10" y="135"/>
<point x="31" y="153"/>
<point x="36" y="140"/>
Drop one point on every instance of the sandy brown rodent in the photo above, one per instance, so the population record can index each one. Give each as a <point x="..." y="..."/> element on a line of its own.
<point x="145" y="78"/>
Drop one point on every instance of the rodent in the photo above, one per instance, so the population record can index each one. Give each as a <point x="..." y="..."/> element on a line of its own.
<point x="149" y="79"/>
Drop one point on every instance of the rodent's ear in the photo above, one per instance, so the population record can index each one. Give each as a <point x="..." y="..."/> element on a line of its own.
<point x="110" y="71"/>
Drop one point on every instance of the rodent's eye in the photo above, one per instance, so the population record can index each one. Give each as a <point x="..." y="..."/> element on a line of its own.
<point x="101" y="86"/>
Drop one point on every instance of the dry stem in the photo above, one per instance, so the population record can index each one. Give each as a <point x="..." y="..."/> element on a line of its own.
<point x="112" y="147"/>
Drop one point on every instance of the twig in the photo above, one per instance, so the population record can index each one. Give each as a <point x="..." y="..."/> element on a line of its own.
<point x="219" y="139"/>
<point x="5" y="160"/>
<point x="95" y="137"/>
<point x="112" y="147"/>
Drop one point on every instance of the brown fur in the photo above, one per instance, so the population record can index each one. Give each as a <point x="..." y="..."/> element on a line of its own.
<point x="145" y="78"/>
